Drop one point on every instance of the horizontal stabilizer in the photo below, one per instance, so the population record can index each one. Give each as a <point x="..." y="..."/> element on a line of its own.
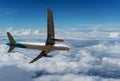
<point x="11" y="48"/>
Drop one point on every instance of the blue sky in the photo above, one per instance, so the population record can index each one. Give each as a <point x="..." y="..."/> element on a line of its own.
<point x="67" y="13"/>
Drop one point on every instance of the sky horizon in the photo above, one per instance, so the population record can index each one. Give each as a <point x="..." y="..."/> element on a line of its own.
<point x="67" y="13"/>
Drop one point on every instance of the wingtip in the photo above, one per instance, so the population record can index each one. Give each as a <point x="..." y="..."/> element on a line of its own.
<point x="30" y="62"/>
<point x="48" y="8"/>
<point x="8" y="32"/>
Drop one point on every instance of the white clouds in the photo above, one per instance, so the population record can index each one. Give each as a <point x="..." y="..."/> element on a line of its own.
<point x="13" y="73"/>
<point x="105" y="49"/>
<point x="22" y="32"/>
<point x="114" y="35"/>
<point x="93" y="57"/>
<point x="95" y="32"/>
<point x="68" y="77"/>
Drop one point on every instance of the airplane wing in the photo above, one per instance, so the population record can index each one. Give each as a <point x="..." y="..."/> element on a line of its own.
<point x="50" y="28"/>
<point x="38" y="57"/>
<point x="50" y="34"/>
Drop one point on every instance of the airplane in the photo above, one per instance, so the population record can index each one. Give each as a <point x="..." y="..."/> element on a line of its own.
<point x="47" y="47"/>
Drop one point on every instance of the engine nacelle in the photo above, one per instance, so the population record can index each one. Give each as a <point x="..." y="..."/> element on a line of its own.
<point x="48" y="56"/>
<point x="59" y="40"/>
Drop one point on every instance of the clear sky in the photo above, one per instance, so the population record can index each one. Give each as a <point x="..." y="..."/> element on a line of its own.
<point x="67" y="13"/>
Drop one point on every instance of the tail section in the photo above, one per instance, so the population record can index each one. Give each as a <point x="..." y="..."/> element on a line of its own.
<point x="12" y="41"/>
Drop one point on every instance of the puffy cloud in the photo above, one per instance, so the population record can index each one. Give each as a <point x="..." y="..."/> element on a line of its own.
<point x="88" y="60"/>
<point x="13" y="73"/>
<point x="114" y="35"/>
<point x="24" y="32"/>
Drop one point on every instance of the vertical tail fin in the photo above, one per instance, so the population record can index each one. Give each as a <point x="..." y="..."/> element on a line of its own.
<point x="11" y="39"/>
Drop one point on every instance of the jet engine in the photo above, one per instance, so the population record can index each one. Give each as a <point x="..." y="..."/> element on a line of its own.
<point x="59" y="40"/>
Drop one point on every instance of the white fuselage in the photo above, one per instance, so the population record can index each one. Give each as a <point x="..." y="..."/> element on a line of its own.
<point x="43" y="47"/>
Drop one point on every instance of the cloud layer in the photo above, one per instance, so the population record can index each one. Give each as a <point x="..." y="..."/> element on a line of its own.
<point x="94" y="56"/>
